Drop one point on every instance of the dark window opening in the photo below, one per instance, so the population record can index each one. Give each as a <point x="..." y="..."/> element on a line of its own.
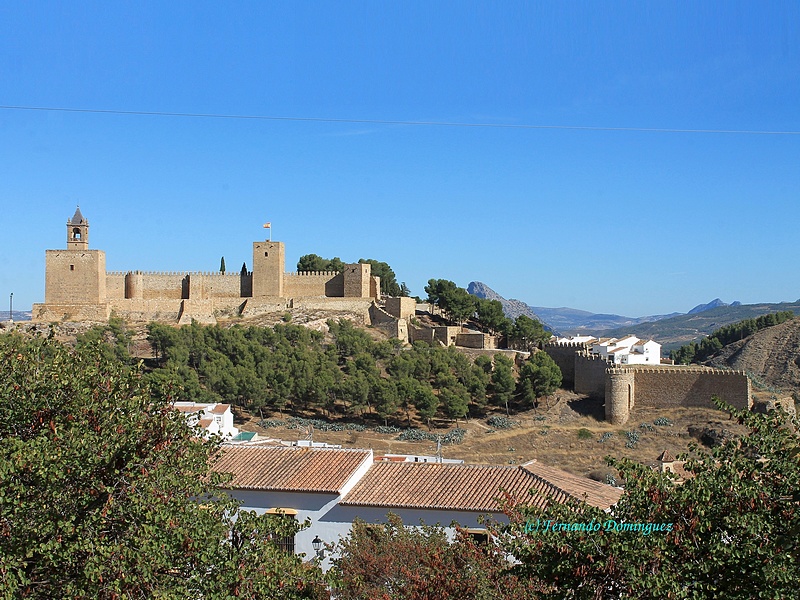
<point x="266" y="253"/>
<point x="284" y="543"/>
<point x="76" y="234"/>
<point x="72" y="267"/>
<point x="480" y="537"/>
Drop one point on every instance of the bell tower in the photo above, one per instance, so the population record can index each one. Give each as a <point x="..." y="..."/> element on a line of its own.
<point x="77" y="232"/>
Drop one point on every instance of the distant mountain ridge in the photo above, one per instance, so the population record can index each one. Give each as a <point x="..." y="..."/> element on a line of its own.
<point x="682" y="329"/>
<point x="671" y="331"/>
<point x="18" y="315"/>
<point x="563" y="320"/>
<point x="512" y="308"/>
<point x="715" y="303"/>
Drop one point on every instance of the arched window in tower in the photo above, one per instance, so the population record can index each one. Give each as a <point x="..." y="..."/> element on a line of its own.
<point x="76" y="233"/>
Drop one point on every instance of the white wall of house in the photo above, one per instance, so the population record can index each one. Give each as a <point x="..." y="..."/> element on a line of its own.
<point x="629" y="350"/>
<point x="332" y="521"/>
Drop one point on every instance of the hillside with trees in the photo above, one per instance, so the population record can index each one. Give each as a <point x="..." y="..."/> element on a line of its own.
<point x="348" y="373"/>
<point x="771" y="356"/>
<point x="694" y="352"/>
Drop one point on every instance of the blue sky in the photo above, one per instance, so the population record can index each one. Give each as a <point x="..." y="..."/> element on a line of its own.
<point x="625" y="221"/>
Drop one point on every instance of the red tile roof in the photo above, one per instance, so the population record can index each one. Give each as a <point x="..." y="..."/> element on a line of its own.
<point x="469" y="487"/>
<point x="290" y="469"/>
<point x="220" y="409"/>
<point x="595" y="493"/>
<point x="188" y="409"/>
<point x="665" y="456"/>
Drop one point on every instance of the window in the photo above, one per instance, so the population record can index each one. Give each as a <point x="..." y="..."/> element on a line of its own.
<point x="480" y="537"/>
<point x="72" y="267"/>
<point x="284" y="542"/>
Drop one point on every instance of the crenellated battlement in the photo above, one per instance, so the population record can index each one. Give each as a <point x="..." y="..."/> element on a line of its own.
<point x="311" y="274"/>
<point x="149" y="273"/>
<point x="577" y="345"/>
<point x="674" y="370"/>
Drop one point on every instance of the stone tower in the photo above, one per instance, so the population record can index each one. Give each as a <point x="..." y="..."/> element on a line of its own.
<point x="77" y="275"/>
<point x="357" y="280"/>
<point x="77" y="232"/>
<point x="620" y="391"/>
<point x="269" y="260"/>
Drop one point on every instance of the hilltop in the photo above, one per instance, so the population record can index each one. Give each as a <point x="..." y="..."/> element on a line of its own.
<point x="772" y="355"/>
<point x="675" y="331"/>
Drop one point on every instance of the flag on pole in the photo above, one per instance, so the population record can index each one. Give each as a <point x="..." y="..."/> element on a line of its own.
<point x="267" y="225"/>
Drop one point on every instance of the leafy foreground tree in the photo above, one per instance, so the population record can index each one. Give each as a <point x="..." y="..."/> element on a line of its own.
<point x="394" y="562"/>
<point x="106" y="493"/>
<point x="730" y="531"/>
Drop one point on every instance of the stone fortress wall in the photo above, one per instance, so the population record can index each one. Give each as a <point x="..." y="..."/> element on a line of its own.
<point x="78" y="287"/>
<point x="624" y="388"/>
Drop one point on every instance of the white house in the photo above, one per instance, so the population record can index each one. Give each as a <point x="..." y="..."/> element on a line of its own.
<point x="333" y="487"/>
<point x="215" y="418"/>
<point x="629" y="350"/>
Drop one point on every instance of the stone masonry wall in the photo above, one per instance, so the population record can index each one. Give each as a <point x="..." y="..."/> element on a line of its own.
<point x="204" y="286"/>
<point x="402" y="308"/>
<point x="688" y="386"/>
<point x="564" y="356"/>
<point x="482" y="341"/>
<point x="384" y="321"/>
<point x="162" y="286"/>
<point x="313" y="283"/>
<point x="590" y="374"/>
<point x="421" y="334"/>
<point x="75" y="277"/>
<point x="115" y="285"/>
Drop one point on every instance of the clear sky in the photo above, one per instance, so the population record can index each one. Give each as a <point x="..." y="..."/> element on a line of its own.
<point x="627" y="221"/>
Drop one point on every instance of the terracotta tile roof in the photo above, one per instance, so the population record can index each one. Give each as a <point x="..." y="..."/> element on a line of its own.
<point x="290" y="469"/>
<point x="594" y="493"/>
<point x="204" y="423"/>
<point x="469" y="487"/>
<point x="665" y="456"/>
<point x="220" y="409"/>
<point x="188" y="409"/>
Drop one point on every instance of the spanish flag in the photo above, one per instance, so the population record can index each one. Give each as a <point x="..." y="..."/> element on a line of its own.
<point x="267" y="225"/>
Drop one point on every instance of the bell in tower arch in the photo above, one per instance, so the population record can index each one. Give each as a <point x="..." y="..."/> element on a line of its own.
<point x="77" y="232"/>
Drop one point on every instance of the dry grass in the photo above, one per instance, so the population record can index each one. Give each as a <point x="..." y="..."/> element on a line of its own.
<point x="550" y="436"/>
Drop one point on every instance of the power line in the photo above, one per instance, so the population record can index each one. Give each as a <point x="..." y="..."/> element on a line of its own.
<point x="391" y="122"/>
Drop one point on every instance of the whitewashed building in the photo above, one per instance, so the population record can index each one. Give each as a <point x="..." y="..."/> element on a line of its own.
<point x="213" y="419"/>
<point x="333" y="487"/>
<point x="629" y="350"/>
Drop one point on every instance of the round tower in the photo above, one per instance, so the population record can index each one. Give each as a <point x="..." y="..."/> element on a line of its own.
<point x="619" y="395"/>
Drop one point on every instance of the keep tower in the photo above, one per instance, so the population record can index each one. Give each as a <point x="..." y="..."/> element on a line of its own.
<point x="75" y="276"/>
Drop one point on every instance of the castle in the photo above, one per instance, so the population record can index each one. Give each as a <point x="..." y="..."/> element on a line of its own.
<point x="625" y="386"/>
<point x="78" y="287"/>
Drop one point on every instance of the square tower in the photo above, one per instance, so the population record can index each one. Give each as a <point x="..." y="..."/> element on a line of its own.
<point x="76" y="275"/>
<point x="357" y="279"/>
<point x="269" y="264"/>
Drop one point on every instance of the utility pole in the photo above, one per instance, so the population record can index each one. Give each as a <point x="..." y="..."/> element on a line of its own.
<point x="11" y="307"/>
